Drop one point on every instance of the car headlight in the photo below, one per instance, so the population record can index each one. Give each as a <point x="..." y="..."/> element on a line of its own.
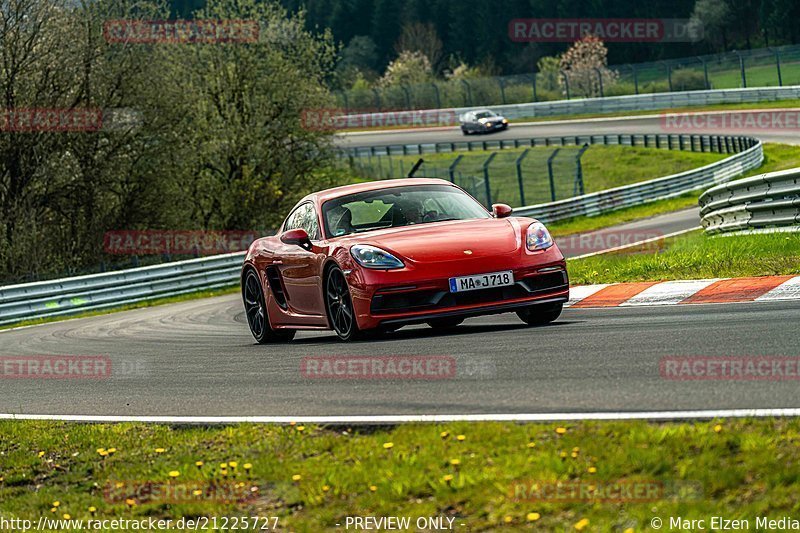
<point x="538" y="238"/>
<point x="505" y="121"/>
<point x="373" y="257"/>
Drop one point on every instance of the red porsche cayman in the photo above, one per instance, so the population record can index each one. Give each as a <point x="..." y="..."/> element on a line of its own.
<point x="384" y="254"/>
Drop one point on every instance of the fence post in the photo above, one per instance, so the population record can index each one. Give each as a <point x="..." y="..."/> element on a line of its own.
<point x="566" y="82"/>
<point x="502" y="89"/>
<point x="486" y="179"/>
<point x="705" y="71"/>
<point x="635" y="79"/>
<point x="438" y="97"/>
<point x="408" y="96"/>
<point x="550" y="174"/>
<point x="452" y="168"/>
<point x="577" y="188"/>
<point x="778" y="66"/>
<point x="518" y="163"/>
<point x="467" y="93"/>
<point x="377" y="99"/>
<point x="741" y="68"/>
<point x="599" y="79"/>
<point x="535" y="97"/>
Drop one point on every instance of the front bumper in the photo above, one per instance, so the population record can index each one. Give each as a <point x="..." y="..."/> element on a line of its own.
<point x="382" y="300"/>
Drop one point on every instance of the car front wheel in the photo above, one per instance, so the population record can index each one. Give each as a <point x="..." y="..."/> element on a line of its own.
<point x="540" y="314"/>
<point x="340" y="305"/>
<point x="256" y="310"/>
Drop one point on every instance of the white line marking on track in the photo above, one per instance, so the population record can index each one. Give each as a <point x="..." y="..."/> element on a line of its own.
<point x="398" y="419"/>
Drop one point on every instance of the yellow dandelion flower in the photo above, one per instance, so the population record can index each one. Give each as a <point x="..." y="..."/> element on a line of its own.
<point x="592" y="470"/>
<point x="388" y="445"/>
<point x="444" y="434"/>
<point x="53" y="509"/>
<point x="292" y="423"/>
<point x="448" y="478"/>
<point x="576" y="449"/>
<point x="455" y="462"/>
<point x="507" y="519"/>
<point x="130" y="502"/>
<point x="102" y="452"/>
<point x="297" y="477"/>
<point x="66" y="516"/>
<point x="563" y="455"/>
<point x="629" y="530"/>
<point x="533" y="517"/>
<point x="223" y="466"/>
<point x="197" y="492"/>
<point x="717" y="428"/>
<point x="198" y="464"/>
<point x="531" y="445"/>
<point x="248" y="466"/>
<point x="174" y="473"/>
<point x="56" y="504"/>
<point x="582" y="523"/>
<point x="325" y="488"/>
<point x="41" y="454"/>
<point x="373" y="488"/>
<point x="300" y="428"/>
<point x="461" y="437"/>
<point x="160" y="450"/>
<point x="574" y="455"/>
<point x="561" y="431"/>
<point x="92" y="509"/>
<point x="233" y="464"/>
<point x="111" y="450"/>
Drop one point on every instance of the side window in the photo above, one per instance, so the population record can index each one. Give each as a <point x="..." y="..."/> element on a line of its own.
<point x="304" y="217"/>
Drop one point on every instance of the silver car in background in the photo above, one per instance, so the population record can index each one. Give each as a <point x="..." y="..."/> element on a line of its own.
<point x="482" y="121"/>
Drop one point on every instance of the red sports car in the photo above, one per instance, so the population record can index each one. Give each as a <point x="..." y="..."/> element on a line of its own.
<point x="384" y="254"/>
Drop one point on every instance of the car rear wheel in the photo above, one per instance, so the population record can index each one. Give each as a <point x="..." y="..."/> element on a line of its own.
<point x="540" y="314"/>
<point x="340" y="305"/>
<point x="445" y="323"/>
<point x="465" y="131"/>
<point x="256" y="310"/>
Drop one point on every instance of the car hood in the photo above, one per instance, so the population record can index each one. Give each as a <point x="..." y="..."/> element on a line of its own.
<point x="448" y="241"/>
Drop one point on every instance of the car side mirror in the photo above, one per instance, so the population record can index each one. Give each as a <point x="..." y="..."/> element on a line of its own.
<point x="298" y="237"/>
<point x="501" y="210"/>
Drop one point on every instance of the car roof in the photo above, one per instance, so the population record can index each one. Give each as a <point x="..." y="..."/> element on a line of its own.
<point x="328" y="194"/>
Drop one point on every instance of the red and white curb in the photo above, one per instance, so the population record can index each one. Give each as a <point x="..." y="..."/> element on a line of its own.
<point x="701" y="291"/>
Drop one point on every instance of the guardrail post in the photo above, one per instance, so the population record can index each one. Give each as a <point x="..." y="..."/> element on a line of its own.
<point x="680" y="142"/>
<point x="451" y="170"/>
<point x="550" y="174"/>
<point x="518" y="164"/>
<point x="486" y="182"/>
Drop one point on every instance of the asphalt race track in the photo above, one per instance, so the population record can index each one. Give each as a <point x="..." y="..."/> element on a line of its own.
<point x="197" y="358"/>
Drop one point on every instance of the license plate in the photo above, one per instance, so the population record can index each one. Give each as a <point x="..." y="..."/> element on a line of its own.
<point x="482" y="281"/>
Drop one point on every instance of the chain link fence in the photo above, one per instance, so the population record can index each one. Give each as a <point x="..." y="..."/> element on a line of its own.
<point x="515" y="177"/>
<point x="764" y="67"/>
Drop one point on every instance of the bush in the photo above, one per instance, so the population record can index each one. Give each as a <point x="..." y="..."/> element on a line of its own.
<point x="688" y="80"/>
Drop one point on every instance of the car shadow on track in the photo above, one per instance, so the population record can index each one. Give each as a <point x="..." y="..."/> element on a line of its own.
<point x="426" y="332"/>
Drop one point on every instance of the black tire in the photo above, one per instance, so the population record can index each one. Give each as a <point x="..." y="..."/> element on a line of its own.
<point x="256" y="310"/>
<point x="339" y="305"/>
<point x="465" y="131"/>
<point x="540" y="314"/>
<point x="445" y="323"/>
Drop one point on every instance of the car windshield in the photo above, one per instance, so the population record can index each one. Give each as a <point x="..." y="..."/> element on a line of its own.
<point x="485" y="114"/>
<point x="398" y="206"/>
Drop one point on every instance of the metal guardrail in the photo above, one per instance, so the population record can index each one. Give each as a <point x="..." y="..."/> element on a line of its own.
<point x="68" y="296"/>
<point x="609" y="104"/>
<point x="760" y="202"/>
<point x="657" y="189"/>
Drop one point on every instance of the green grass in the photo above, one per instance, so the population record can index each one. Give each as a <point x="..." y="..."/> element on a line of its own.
<point x="603" y="167"/>
<point x="734" y="468"/>
<point x="695" y="256"/>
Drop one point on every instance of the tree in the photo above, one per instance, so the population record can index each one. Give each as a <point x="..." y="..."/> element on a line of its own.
<point x="584" y="63"/>
<point x="422" y="38"/>
<point x="409" y="68"/>
<point x="714" y="16"/>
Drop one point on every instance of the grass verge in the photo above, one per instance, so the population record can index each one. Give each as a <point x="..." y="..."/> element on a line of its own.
<point x="695" y="256"/>
<point x="484" y="475"/>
